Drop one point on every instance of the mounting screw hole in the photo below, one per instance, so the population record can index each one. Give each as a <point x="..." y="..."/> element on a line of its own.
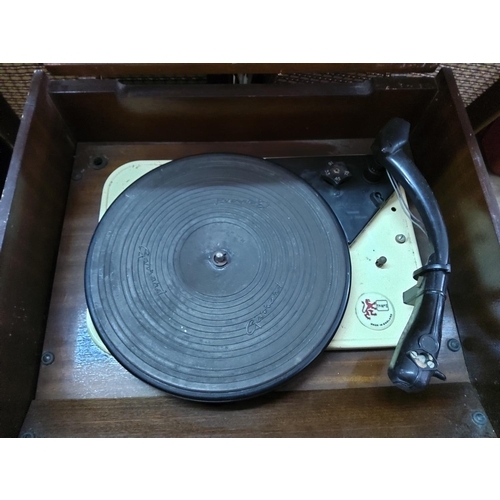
<point x="47" y="358"/>
<point x="479" y="418"/>
<point x="393" y="209"/>
<point x="453" y="345"/>
<point x="98" y="162"/>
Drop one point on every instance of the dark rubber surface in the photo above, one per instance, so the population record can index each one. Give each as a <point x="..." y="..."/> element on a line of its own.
<point x="175" y="319"/>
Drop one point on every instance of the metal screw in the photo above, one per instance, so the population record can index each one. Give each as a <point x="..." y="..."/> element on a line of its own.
<point x="422" y="359"/>
<point x="28" y="434"/>
<point x="431" y="365"/>
<point x="413" y="354"/>
<point x="453" y="345"/>
<point x="77" y="176"/>
<point x="381" y="261"/>
<point x="400" y="238"/>
<point x="479" y="418"/>
<point x="47" y="358"/>
<point x="220" y="258"/>
<point x="336" y="170"/>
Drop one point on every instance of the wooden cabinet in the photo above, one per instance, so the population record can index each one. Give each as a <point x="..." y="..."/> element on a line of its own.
<point x="49" y="210"/>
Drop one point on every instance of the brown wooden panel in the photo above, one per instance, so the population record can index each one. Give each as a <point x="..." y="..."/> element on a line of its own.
<point x="31" y="215"/>
<point x="445" y="146"/>
<point x="441" y="411"/>
<point x="108" y="111"/>
<point x="80" y="370"/>
<point x="112" y="70"/>
<point x="485" y="109"/>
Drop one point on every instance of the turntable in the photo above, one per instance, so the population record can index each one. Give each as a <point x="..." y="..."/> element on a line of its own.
<point x="73" y="388"/>
<point x="219" y="277"/>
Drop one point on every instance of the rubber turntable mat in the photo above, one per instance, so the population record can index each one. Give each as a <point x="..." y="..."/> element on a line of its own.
<point x="208" y="330"/>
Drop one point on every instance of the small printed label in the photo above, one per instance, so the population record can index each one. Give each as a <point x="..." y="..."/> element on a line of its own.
<point x="375" y="311"/>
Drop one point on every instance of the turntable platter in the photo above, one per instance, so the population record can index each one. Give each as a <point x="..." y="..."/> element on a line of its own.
<point x="217" y="277"/>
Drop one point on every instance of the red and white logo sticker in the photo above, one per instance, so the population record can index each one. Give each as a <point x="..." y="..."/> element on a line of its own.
<point x="375" y="311"/>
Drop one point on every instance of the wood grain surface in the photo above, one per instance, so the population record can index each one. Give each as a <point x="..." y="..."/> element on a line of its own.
<point x="441" y="411"/>
<point x="110" y="111"/>
<point x="445" y="147"/>
<point x="31" y="215"/>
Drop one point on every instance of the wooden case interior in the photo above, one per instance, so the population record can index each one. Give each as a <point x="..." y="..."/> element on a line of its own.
<point x="49" y="210"/>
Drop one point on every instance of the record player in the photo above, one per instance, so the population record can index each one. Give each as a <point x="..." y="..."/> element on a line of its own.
<point x="219" y="277"/>
<point x="74" y="388"/>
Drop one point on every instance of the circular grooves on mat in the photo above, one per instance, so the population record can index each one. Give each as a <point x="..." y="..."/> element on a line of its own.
<point x="223" y="332"/>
